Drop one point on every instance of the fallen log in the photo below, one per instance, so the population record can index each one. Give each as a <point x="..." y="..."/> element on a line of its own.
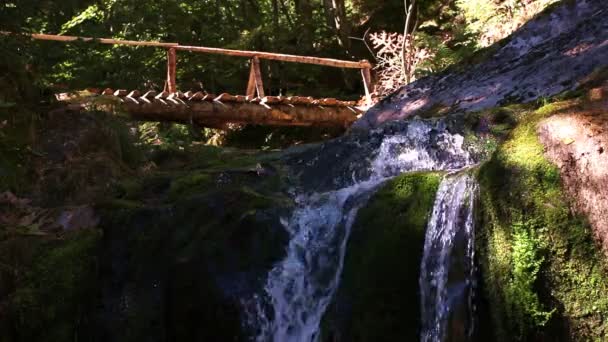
<point x="216" y="114"/>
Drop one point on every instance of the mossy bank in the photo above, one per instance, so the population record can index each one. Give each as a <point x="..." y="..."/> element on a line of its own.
<point x="378" y="297"/>
<point x="543" y="275"/>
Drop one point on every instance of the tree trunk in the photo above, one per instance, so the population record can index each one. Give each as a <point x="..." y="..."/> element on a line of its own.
<point x="304" y="12"/>
<point x="335" y="12"/>
<point x="408" y="40"/>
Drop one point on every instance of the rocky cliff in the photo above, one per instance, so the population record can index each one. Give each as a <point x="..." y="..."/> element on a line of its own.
<point x="548" y="55"/>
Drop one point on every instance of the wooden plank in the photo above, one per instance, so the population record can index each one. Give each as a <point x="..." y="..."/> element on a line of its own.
<point x="171" y="70"/>
<point x="149" y="94"/>
<point x="300" y="100"/>
<point x="209" y="97"/>
<point x="161" y="96"/>
<point x="347" y="103"/>
<point x="134" y="94"/>
<point x="329" y="102"/>
<point x="225" y="97"/>
<point x="199" y="95"/>
<point x="259" y="84"/>
<point x="240" y="98"/>
<point x="271" y="100"/>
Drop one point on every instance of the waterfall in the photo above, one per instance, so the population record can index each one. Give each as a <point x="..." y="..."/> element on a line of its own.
<point x="447" y="277"/>
<point x="300" y="287"/>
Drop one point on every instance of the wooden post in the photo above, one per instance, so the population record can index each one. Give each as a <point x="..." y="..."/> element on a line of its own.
<point x="257" y="77"/>
<point x="171" y="87"/>
<point x="251" y="82"/>
<point x="367" y="84"/>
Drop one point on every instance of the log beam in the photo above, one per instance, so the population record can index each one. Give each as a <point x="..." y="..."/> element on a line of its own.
<point x="217" y="114"/>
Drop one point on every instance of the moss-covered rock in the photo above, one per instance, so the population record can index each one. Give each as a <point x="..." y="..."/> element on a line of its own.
<point x="378" y="298"/>
<point x="187" y="233"/>
<point x="543" y="275"/>
<point x="56" y="297"/>
<point x="185" y="244"/>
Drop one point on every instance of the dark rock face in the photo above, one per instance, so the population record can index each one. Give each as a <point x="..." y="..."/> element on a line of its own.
<point x="179" y="272"/>
<point x="546" y="56"/>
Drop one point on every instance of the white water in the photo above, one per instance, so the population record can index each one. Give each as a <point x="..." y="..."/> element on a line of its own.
<point x="447" y="278"/>
<point x="300" y="287"/>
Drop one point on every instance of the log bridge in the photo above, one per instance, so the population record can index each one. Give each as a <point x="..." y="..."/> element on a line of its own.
<point x="216" y="111"/>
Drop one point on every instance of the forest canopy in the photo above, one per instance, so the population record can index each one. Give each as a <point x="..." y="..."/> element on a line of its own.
<point x="446" y="31"/>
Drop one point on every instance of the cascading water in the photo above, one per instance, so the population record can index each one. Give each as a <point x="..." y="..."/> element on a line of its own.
<point x="447" y="278"/>
<point x="300" y="287"/>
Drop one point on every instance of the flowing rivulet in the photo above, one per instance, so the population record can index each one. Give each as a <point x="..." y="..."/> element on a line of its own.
<point x="447" y="278"/>
<point x="299" y="288"/>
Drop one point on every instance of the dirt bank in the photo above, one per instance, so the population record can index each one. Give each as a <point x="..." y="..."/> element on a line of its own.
<point x="577" y="142"/>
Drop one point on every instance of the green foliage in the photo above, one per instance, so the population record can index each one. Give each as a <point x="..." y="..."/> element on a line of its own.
<point x="171" y="134"/>
<point x="380" y="278"/>
<point x="493" y="20"/>
<point x="92" y="12"/>
<point x="520" y="292"/>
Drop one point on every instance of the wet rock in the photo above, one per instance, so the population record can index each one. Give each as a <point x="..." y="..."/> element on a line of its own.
<point x="78" y="218"/>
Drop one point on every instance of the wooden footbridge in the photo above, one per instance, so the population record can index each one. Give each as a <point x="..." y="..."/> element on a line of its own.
<point x="209" y="110"/>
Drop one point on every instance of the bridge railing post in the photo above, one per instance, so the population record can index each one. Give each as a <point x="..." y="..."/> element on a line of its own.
<point x="366" y="74"/>
<point x="255" y="86"/>
<point x="170" y="85"/>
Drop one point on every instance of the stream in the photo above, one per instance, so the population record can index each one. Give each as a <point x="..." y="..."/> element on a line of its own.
<point x="299" y="288"/>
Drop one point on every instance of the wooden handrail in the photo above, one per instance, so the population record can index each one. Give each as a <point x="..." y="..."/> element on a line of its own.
<point x="227" y="52"/>
<point x="255" y="79"/>
<point x="53" y="37"/>
<point x="279" y="57"/>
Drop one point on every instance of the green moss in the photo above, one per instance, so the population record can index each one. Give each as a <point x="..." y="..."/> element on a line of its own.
<point x="380" y="279"/>
<point x="195" y="182"/>
<point x="268" y="138"/>
<point x="15" y="147"/>
<point x="53" y="300"/>
<point x="198" y="157"/>
<point x="542" y="272"/>
<point x="130" y="188"/>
